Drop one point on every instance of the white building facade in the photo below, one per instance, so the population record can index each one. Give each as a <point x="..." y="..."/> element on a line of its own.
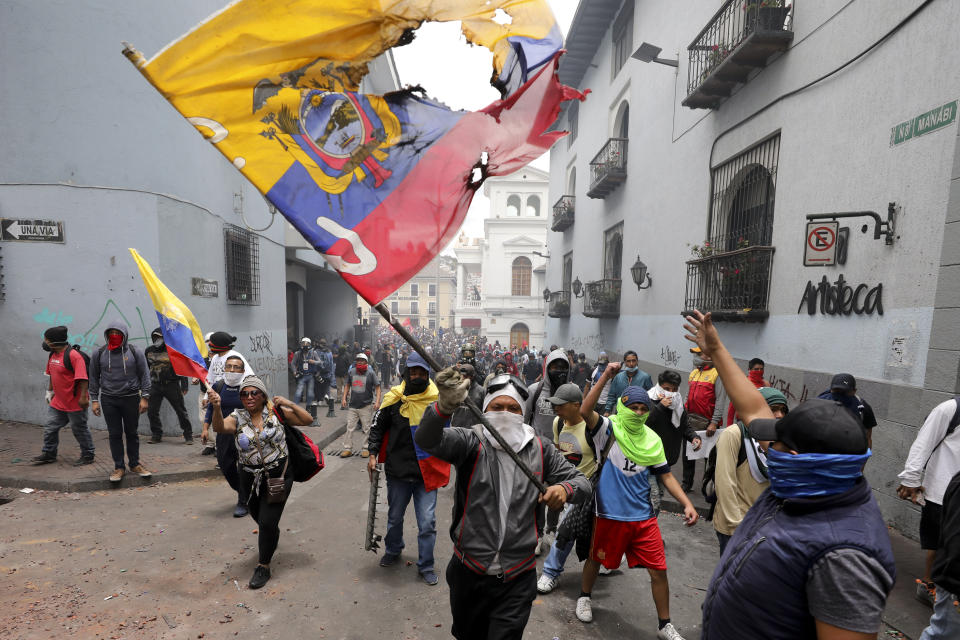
<point x="706" y="173"/>
<point x="500" y="277"/>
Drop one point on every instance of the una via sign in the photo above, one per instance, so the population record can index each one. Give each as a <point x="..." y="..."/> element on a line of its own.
<point x="924" y="123"/>
<point x="16" y="230"/>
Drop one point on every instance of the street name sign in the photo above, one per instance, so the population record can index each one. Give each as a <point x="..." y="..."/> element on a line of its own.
<point x="16" y="230"/>
<point x="820" y="245"/>
<point x="204" y="288"/>
<point x="924" y="123"/>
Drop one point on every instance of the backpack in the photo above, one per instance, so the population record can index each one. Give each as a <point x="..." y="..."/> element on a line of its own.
<point x="951" y="427"/>
<point x="556" y="437"/>
<point x="303" y="456"/>
<point x="68" y="364"/>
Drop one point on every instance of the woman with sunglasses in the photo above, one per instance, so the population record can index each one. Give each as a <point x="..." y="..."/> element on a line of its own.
<point x="262" y="450"/>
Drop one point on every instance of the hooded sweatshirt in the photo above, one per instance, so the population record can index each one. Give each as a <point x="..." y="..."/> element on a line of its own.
<point x="122" y="372"/>
<point x="539" y="412"/>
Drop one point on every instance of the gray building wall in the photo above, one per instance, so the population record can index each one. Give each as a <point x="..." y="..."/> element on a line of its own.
<point x="834" y="156"/>
<point x="90" y="143"/>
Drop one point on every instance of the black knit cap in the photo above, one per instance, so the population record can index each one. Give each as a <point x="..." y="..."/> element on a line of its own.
<point x="56" y="334"/>
<point x="223" y="340"/>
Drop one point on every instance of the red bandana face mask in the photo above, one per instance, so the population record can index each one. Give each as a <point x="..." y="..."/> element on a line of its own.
<point x="756" y="377"/>
<point x="114" y="340"/>
<point x="361" y="368"/>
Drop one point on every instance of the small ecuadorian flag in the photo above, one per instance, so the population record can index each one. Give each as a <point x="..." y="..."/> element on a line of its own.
<point x="181" y="333"/>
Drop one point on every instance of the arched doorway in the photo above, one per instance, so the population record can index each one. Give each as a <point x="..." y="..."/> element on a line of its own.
<point x="519" y="335"/>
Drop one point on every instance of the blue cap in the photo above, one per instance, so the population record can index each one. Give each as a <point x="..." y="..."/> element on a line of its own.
<point x="416" y="360"/>
<point x="634" y="395"/>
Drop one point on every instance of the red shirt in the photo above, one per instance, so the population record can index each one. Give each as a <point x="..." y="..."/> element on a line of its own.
<point x="63" y="381"/>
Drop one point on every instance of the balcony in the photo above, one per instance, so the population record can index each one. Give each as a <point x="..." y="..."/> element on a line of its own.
<point x="739" y="39"/>
<point x="563" y="214"/>
<point x="733" y="286"/>
<point x="559" y="304"/>
<point x="602" y="299"/>
<point x="608" y="169"/>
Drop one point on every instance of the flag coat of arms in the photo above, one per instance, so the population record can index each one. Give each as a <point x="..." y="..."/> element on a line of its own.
<point x="377" y="184"/>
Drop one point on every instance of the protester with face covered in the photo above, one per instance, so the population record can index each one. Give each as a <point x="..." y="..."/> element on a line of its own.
<point x="411" y="474"/>
<point x="812" y="557"/>
<point x="120" y="384"/>
<point x="668" y="417"/>
<point x="262" y="449"/>
<point x="67" y="398"/>
<point x="228" y="389"/>
<point x="492" y="577"/>
<point x="499" y="368"/>
<point x="705" y="401"/>
<point x="626" y="522"/>
<point x="221" y="347"/>
<point x="165" y="384"/>
<point x="362" y="396"/>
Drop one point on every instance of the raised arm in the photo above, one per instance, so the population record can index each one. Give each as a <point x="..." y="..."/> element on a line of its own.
<point x="588" y="404"/>
<point x="745" y="397"/>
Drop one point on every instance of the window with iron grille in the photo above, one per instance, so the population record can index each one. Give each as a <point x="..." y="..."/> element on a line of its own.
<point x="622" y="37"/>
<point x="730" y="272"/>
<point x="241" y="250"/>
<point x="414" y="308"/>
<point x="613" y="252"/>
<point x="415" y="290"/>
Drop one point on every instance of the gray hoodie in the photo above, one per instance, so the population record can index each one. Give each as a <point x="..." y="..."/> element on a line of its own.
<point x="541" y="416"/>
<point x="123" y="372"/>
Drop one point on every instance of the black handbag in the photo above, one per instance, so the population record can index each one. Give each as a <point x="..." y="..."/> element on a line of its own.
<point x="305" y="458"/>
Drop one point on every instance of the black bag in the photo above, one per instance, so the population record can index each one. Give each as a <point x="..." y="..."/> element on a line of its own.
<point x="304" y="457"/>
<point x="578" y="523"/>
<point x="276" y="487"/>
<point x="83" y="354"/>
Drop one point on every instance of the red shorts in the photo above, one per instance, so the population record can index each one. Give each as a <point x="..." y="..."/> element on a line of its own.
<point x="640" y="541"/>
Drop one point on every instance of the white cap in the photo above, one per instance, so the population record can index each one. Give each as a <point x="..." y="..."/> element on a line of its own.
<point x="305" y="340"/>
<point x="362" y="356"/>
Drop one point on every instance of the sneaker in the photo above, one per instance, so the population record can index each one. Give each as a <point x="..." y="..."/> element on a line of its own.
<point x="604" y="571"/>
<point x="546" y="584"/>
<point x="686" y="488"/>
<point x="187" y="439"/>
<point x="584" y="610"/>
<point x="260" y="577"/>
<point x="116" y="476"/>
<point x="82" y="460"/>
<point x="208" y="451"/>
<point x="926" y="592"/>
<point x="430" y="577"/>
<point x="669" y="632"/>
<point x="364" y="454"/>
<point x="45" y="458"/>
<point x="389" y="559"/>
<point x="154" y="440"/>
<point x="346" y="453"/>
<point x="240" y="511"/>
<point x="141" y="471"/>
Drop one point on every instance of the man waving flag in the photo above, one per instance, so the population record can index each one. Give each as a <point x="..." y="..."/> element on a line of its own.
<point x="377" y="184"/>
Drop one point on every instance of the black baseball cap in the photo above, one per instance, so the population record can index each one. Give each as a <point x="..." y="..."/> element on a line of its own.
<point x="815" y="426"/>
<point x="844" y="381"/>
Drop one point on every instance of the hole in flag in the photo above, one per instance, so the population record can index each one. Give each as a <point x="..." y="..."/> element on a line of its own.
<point x="479" y="172"/>
<point x="502" y="17"/>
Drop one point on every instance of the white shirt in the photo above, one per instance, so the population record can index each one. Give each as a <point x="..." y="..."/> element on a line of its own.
<point x="218" y="360"/>
<point x="942" y="464"/>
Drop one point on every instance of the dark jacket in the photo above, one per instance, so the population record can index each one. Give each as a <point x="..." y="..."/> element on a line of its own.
<point x="401" y="457"/>
<point x="476" y="513"/>
<point x="122" y="372"/>
<point x="539" y="412"/>
<point x="762" y="575"/>
<point x="342" y="364"/>
<point x="463" y="417"/>
<point x="161" y="371"/>
<point x="660" y="420"/>
<point x="946" y="566"/>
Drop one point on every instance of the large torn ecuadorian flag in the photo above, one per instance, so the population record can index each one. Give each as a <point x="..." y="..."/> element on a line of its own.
<point x="377" y="184"/>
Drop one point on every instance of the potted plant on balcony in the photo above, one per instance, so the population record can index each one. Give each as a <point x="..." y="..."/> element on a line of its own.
<point x="560" y="309"/>
<point x="765" y="15"/>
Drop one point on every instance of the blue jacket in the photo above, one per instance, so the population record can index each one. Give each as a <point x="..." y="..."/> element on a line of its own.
<point x="758" y="589"/>
<point x="640" y="379"/>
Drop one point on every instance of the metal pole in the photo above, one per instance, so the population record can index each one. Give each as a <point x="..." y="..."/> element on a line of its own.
<point x="415" y="344"/>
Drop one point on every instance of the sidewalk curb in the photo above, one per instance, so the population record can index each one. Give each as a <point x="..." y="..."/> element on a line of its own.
<point x="131" y="480"/>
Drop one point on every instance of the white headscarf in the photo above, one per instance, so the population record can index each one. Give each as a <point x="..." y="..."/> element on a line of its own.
<point x="657" y="393"/>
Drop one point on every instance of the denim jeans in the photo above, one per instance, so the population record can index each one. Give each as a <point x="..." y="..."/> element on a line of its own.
<point x="304" y="392"/>
<point x="723" y="539"/>
<point x="945" y="621"/>
<point x="56" y="420"/>
<point x="424" y="505"/>
<point x="553" y="565"/>
<point x="122" y="413"/>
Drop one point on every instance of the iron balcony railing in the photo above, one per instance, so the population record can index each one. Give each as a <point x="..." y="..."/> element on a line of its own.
<point x="733" y="285"/>
<point x="563" y="212"/>
<point x="602" y="298"/>
<point x="741" y="37"/>
<point x="608" y="168"/>
<point x="559" y="304"/>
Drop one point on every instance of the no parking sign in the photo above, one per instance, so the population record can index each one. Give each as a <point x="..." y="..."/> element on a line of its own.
<point x="820" y="244"/>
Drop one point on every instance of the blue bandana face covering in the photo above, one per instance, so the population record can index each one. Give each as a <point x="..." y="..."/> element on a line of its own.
<point x="810" y="475"/>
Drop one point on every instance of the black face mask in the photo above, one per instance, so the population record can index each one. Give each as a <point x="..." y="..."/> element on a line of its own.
<point x="557" y="378"/>
<point x="46" y="347"/>
<point x="414" y="387"/>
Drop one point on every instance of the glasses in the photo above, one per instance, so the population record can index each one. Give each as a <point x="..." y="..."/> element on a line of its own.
<point x="233" y="368"/>
<point x="250" y="394"/>
<point x="501" y="381"/>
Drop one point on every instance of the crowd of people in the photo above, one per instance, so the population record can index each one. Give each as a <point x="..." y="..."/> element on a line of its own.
<point x="554" y="455"/>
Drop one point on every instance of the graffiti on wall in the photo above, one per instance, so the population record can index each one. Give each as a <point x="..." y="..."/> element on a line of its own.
<point x="93" y="336"/>
<point x="787" y="389"/>
<point x="589" y="344"/>
<point x="260" y="342"/>
<point x="670" y="357"/>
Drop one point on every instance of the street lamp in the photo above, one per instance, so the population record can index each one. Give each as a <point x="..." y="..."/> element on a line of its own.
<point x="546" y="294"/>
<point x="577" y="288"/>
<point x="650" y="52"/>
<point x="639" y="273"/>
